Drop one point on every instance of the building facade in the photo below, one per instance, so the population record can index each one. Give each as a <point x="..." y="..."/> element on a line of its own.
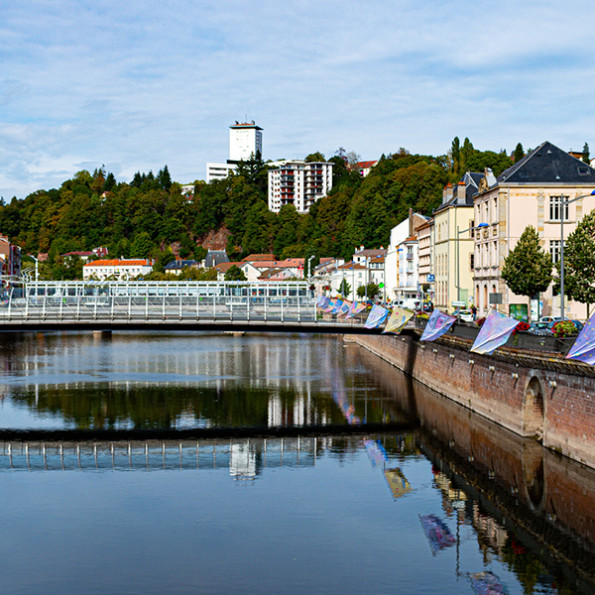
<point x="10" y="258"/>
<point x="119" y="269"/>
<point x="531" y="192"/>
<point x="245" y="142"/>
<point x="454" y="243"/>
<point x="298" y="183"/>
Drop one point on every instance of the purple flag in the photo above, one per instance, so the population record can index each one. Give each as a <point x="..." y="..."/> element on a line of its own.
<point x="437" y="325"/>
<point x="494" y="332"/>
<point x="323" y="302"/>
<point x="583" y="349"/>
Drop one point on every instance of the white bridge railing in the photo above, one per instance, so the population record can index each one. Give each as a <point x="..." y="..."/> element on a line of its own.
<point x="136" y="300"/>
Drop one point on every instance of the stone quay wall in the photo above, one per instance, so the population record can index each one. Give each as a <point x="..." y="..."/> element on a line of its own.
<point x="533" y="395"/>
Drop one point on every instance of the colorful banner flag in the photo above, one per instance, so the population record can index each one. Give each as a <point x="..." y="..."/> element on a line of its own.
<point x="376" y="452"/>
<point x="323" y="302"/>
<point x="437" y="325"/>
<point x="487" y="583"/>
<point x="344" y="309"/>
<point x="330" y="306"/>
<point x="583" y="349"/>
<point x="437" y="532"/>
<point x="355" y="308"/>
<point x="397" y="321"/>
<point x="376" y="317"/>
<point x="494" y="332"/>
<point x="337" y="307"/>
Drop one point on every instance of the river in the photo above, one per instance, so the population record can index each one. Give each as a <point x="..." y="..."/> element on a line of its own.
<point x="215" y="463"/>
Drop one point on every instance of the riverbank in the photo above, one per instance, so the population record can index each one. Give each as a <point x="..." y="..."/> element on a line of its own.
<point x="536" y="395"/>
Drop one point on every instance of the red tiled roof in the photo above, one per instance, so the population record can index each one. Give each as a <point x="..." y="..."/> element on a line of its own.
<point x="223" y="267"/>
<point x="119" y="263"/>
<point x="255" y="257"/>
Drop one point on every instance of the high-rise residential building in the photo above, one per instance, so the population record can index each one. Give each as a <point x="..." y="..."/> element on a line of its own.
<point x="245" y="141"/>
<point x="298" y="183"/>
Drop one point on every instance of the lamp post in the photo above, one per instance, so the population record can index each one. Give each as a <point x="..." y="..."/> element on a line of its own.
<point x="36" y="266"/>
<point x="563" y="205"/>
<point x="310" y="259"/>
<point x="459" y="232"/>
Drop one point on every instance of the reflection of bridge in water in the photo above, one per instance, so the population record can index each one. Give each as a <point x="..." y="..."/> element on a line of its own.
<point x="288" y="306"/>
<point x="243" y="458"/>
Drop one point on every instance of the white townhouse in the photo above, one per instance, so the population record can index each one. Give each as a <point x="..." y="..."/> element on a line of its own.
<point x="120" y="269"/>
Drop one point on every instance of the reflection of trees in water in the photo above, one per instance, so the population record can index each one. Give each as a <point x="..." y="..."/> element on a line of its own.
<point x="152" y="407"/>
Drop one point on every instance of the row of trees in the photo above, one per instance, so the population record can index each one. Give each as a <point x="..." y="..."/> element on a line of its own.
<point x="528" y="270"/>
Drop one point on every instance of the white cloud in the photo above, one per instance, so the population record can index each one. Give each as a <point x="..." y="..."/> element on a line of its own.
<point x="141" y="84"/>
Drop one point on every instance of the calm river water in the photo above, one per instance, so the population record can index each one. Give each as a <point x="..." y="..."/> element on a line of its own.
<point x="219" y="477"/>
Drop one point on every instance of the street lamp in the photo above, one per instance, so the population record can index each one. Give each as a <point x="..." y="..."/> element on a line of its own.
<point x="459" y="232"/>
<point x="36" y="266"/>
<point x="563" y="205"/>
<point x="310" y="259"/>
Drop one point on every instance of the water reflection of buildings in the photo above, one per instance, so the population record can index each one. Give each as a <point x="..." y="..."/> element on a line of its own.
<point x="131" y="361"/>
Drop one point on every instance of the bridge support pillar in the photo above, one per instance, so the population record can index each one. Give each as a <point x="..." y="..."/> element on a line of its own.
<point x="102" y="335"/>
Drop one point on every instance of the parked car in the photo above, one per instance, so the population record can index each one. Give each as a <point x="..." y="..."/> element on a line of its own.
<point x="466" y="315"/>
<point x="549" y="319"/>
<point x="540" y="328"/>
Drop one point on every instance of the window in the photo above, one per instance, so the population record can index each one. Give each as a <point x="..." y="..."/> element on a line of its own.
<point x="472" y="262"/>
<point x="556" y="208"/>
<point x="555" y="250"/>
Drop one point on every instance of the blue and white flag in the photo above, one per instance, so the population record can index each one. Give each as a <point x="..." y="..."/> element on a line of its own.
<point x="337" y="307"/>
<point x="494" y="332"/>
<point x="437" y="325"/>
<point x="344" y="309"/>
<point x="583" y="349"/>
<point x="376" y="317"/>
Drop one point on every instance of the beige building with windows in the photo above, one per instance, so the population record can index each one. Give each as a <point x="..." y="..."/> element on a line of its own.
<point x="528" y="193"/>
<point x="454" y="243"/>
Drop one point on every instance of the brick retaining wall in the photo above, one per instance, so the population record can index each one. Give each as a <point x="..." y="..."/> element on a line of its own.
<point x="537" y="396"/>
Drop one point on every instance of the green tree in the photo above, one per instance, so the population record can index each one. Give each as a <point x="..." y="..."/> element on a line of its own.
<point x="528" y="269"/>
<point x="370" y="290"/>
<point x="345" y="288"/>
<point x="586" y="157"/>
<point x="142" y="245"/>
<point x="519" y="153"/>
<point x="579" y="262"/>
<point x="313" y="157"/>
<point x="234" y="273"/>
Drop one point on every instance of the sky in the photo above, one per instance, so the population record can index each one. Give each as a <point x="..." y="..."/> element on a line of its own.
<point x="134" y="86"/>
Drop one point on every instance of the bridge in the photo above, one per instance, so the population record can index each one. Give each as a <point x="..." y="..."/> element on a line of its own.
<point x="288" y="306"/>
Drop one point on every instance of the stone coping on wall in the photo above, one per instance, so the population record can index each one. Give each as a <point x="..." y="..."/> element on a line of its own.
<point x="462" y="337"/>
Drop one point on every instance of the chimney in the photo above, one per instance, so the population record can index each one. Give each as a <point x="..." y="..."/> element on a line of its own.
<point x="446" y="193"/>
<point x="410" y="220"/>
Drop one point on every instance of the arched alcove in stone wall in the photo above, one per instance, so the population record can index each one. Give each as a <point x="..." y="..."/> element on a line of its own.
<point x="533" y="409"/>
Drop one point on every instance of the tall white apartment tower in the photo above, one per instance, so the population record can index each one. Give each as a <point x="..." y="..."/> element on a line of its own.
<point x="245" y="140"/>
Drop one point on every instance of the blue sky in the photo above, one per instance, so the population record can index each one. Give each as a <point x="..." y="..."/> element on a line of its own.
<point x="138" y="85"/>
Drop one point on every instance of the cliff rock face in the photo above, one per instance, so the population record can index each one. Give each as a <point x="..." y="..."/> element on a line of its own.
<point x="215" y="240"/>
